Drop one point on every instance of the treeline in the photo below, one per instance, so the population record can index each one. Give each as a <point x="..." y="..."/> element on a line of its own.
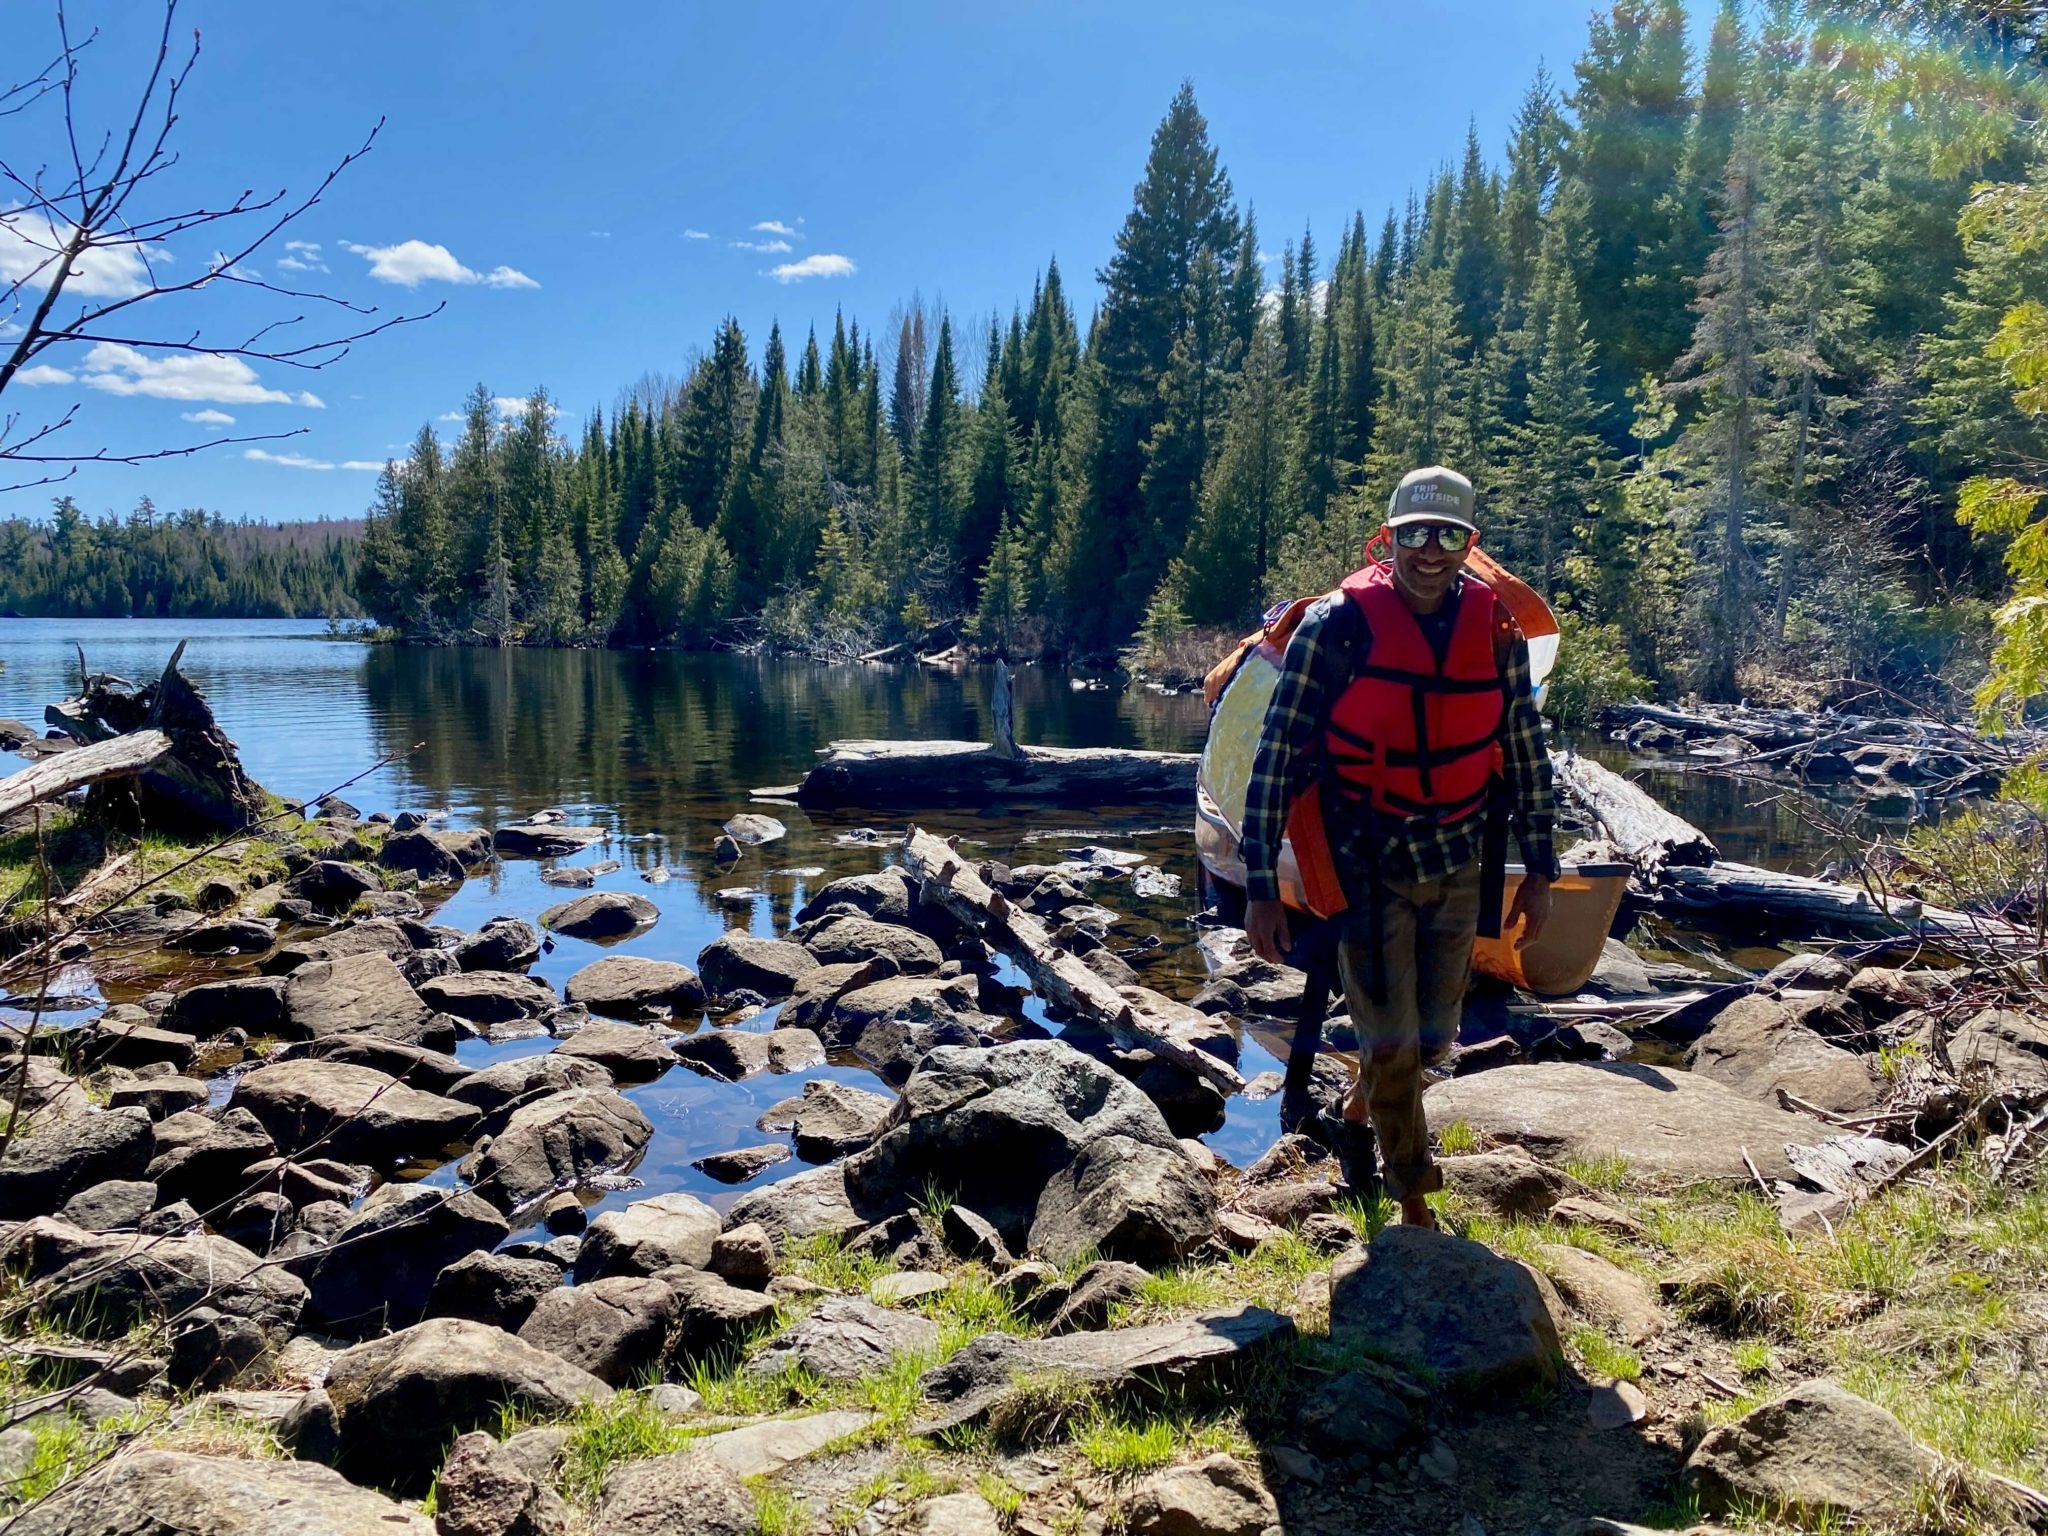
<point x="189" y="565"/>
<point x="1717" y="340"/>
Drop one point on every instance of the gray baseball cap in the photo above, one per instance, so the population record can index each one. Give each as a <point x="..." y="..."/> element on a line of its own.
<point x="1432" y="495"/>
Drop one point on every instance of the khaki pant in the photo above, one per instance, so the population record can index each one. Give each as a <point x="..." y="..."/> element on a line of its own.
<point x="1426" y="933"/>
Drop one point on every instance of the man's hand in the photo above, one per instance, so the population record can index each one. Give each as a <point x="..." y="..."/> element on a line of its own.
<point x="1532" y="906"/>
<point x="1265" y="924"/>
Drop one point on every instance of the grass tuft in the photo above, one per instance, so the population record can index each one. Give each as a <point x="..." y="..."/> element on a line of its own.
<point x="1608" y="1173"/>
<point x="1456" y="1139"/>
<point x="625" y="1427"/>
<point x="1598" y="1355"/>
<point x="778" y="1512"/>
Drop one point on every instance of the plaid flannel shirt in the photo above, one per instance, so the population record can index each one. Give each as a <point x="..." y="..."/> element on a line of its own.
<point x="1290" y="757"/>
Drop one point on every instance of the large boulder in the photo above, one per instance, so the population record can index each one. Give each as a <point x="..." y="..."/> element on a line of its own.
<point x="502" y="944"/>
<point x="203" y="1158"/>
<point x="357" y="994"/>
<point x="253" y="1004"/>
<point x="333" y="886"/>
<point x="415" y="1066"/>
<point x="1219" y="1495"/>
<point x="736" y="961"/>
<point x="492" y="1288"/>
<point x="1449" y="1310"/>
<point x="356" y="1114"/>
<point x="489" y="997"/>
<point x="381" y="1268"/>
<point x="371" y="936"/>
<point x="830" y="1119"/>
<point x="1046" y="1143"/>
<point x="649" y="1236"/>
<point x="1204" y="1351"/>
<point x="398" y="1401"/>
<point x="1820" y="1452"/>
<point x="633" y="1053"/>
<point x="145" y="1492"/>
<point x="630" y="987"/>
<point x="505" y="1084"/>
<point x="814" y="1203"/>
<point x="1757" y="1047"/>
<point x="556" y="1143"/>
<point x="602" y="916"/>
<point x="44" y="1169"/>
<point x="1666" y="1123"/>
<point x="483" y="1490"/>
<point x="856" y="940"/>
<point x="713" y="1316"/>
<point x="613" y="1328"/>
<point x="731" y="1054"/>
<point x="894" y="1022"/>
<point x="886" y="896"/>
<point x="2008" y="1048"/>
<point x="682" y="1491"/>
<point x="416" y="853"/>
<point x="846" y="1338"/>
<point x="101" y="1285"/>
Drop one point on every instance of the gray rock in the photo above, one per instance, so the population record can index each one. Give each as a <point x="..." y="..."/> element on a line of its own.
<point x="1256" y="988"/>
<point x="759" y="1450"/>
<point x="48" y="1166"/>
<point x="1368" y="1411"/>
<point x="258" y="1223"/>
<point x="737" y="961"/>
<point x="216" y="1496"/>
<point x="1886" y="994"/>
<point x="1808" y="973"/>
<point x="613" y="1328"/>
<point x="254" y="1004"/>
<point x="502" y="944"/>
<point x="602" y="916"/>
<point x="558" y="1142"/>
<point x="853" y="940"/>
<point x="504" y="1084"/>
<point x="333" y="886"/>
<point x="552" y="840"/>
<point x="743" y="1256"/>
<point x="2008" y="1048"/>
<point x="412" y="1065"/>
<point x="832" y="1119"/>
<point x="1094" y="1293"/>
<point x="649" y="1236"/>
<point x="203" y="1157"/>
<point x="973" y="1236"/>
<point x="846" y="1338"/>
<point x="416" y="853"/>
<point x="742" y="1163"/>
<point x="357" y="994"/>
<point x="349" y="1112"/>
<point x="128" y="1043"/>
<point x="1756" y="1048"/>
<point x="229" y="936"/>
<point x="210" y="1350"/>
<point x="382" y="1267"/>
<point x="399" y="1400"/>
<point x="1204" y="1351"/>
<point x="712" y="1317"/>
<point x="633" y="1053"/>
<point x="103" y="1284"/>
<point x="112" y="1206"/>
<point x="731" y="1054"/>
<point x="630" y="987"/>
<point x="1216" y="1496"/>
<point x="1667" y="1123"/>
<point x="885" y="896"/>
<point x="484" y="1491"/>
<point x="1622" y="1303"/>
<point x="489" y="997"/>
<point x="1507" y="1185"/>
<point x="956" y="1514"/>
<point x="1819" y="1451"/>
<point x="1448" y="1309"/>
<point x="682" y="1491"/>
<point x="372" y="936"/>
<point x="1124" y="1198"/>
<point x="492" y="1288"/>
<point x="809" y="1204"/>
<point x="750" y="829"/>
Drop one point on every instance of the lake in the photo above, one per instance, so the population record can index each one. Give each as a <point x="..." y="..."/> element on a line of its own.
<point x="660" y="748"/>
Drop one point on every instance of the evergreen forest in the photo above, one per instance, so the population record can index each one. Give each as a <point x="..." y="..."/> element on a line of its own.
<point x="187" y="565"/>
<point x="1742" y="335"/>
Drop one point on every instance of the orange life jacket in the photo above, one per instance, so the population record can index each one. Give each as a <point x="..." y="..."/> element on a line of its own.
<point x="1408" y="736"/>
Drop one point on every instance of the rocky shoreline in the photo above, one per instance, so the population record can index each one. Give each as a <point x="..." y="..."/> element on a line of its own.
<point x="217" y="1242"/>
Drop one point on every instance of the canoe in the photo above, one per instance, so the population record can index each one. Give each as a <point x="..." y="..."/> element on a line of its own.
<point x="1583" y="904"/>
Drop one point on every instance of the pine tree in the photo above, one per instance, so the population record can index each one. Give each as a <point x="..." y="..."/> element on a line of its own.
<point x="907" y="396"/>
<point x="994" y="494"/>
<point x="1532" y="176"/>
<point x="1421" y="382"/>
<point x="1192" y="394"/>
<point x="935" y="484"/>
<point x="1557" y="473"/>
<point x="1248" y="501"/>
<point x="1353" y="302"/>
<point x="1476" y="276"/>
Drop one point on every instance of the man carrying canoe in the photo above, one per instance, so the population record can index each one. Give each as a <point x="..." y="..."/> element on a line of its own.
<point x="1404" y="711"/>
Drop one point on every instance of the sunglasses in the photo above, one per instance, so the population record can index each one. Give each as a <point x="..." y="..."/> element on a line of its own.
<point x="1452" y="540"/>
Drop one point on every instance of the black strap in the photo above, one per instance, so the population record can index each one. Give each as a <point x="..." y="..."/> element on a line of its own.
<point x="1423" y="682"/>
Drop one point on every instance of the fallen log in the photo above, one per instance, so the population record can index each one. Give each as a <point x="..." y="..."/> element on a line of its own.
<point x="1750" y="899"/>
<point x="114" y="758"/>
<point x="1648" y="836"/>
<point x="920" y="775"/>
<point x="1136" y="1018"/>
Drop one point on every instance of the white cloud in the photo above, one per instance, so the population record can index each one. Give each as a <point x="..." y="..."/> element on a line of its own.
<point x="302" y="256"/>
<point x="8" y="328"/>
<point x="600" y="234"/>
<point x="451" y="416"/>
<point x="412" y="262"/>
<point x="300" y="461"/>
<point x="775" y="227"/>
<point x="765" y="247"/>
<point x="511" y="407"/>
<point x="119" y="370"/>
<point x="208" y="418"/>
<point x="696" y="234"/>
<point x="43" y="373"/>
<point x="28" y="240"/>
<point x="820" y="265"/>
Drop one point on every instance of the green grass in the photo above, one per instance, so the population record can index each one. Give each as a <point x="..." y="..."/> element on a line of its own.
<point x="823" y="1260"/>
<point x="935" y="1202"/>
<point x="1456" y="1139"/>
<point x="1608" y="1173"/>
<point x="1120" y="1442"/>
<point x="1006" y="1500"/>
<point x="906" y="1482"/>
<point x="625" y="1427"/>
<point x="730" y="1390"/>
<point x="1369" y="1215"/>
<point x="778" y="1512"/>
<point x="1600" y="1356"/>
<point x="1755" y="1357"/>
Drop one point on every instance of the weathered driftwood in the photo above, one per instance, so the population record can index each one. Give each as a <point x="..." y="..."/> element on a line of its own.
<point x="920" y="775"/>
<point x="1746" y="896"/>
<point x="198" y="785"/>
<point x="1135" y="1017"/>
<point x="1648" y="836"/>
<point x="115" y="757"/>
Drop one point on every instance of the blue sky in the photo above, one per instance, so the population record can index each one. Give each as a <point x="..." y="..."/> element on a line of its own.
<point x="579" y="183"/>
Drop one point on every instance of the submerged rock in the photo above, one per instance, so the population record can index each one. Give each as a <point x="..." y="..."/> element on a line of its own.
<point x="737" y="961"/>
<point x="602" y="916"/>
<point x="558" y="1142"/>
<point x="630" y="987"/>
<point x="350" y="1112"/>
